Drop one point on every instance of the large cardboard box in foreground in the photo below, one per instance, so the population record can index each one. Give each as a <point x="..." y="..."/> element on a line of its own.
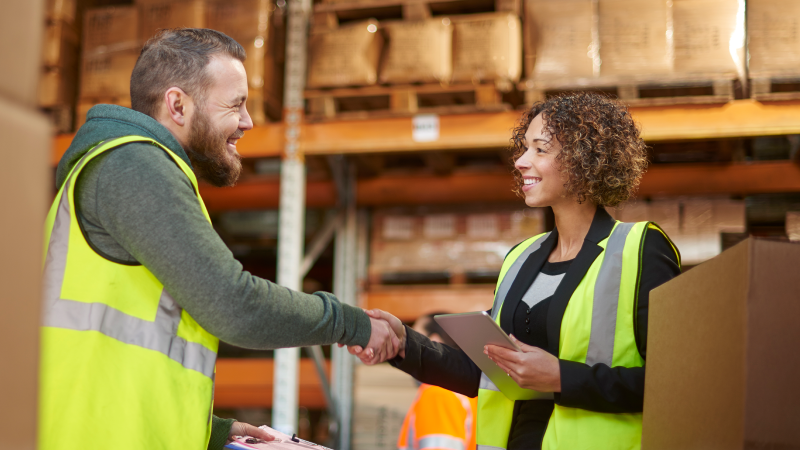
<point x="722" y="356"/>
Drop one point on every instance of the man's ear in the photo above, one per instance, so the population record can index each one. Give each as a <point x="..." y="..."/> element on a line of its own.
<point x="177" y="105"/>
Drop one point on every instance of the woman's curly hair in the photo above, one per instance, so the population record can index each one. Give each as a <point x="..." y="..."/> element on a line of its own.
<point x="603" y="157"/>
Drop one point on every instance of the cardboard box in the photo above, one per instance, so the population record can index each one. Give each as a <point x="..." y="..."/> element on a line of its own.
<point x="382" y="396"/>
<point x="793" y="225"/>
<point x="559" y="39"/>
<point x="155" y="16"/>
<point x="772" y="37"/>
<point x="633" y="38"/>
<point x="60" y="46"/>
<point x="58" y="86"/>
<point x="246" y="21"/>
<point x="26" y="147"/>
<point x="345" y="56"/>
<point x="21" y="33"/>
<point x="108" y="74"/>
<point x="722" y="357"/>
<point x="487" y="47"/>
<point x="709" y="36"/>
<point x="417" y="51"/>
<point x="113" y="28"/>
<point x="57" y="10"/>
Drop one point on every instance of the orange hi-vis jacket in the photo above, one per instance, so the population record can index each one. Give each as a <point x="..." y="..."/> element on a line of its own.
<point x="439" y="420"/>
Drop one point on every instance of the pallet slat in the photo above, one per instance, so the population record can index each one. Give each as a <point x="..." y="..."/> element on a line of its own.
<point x="388" y="101"/>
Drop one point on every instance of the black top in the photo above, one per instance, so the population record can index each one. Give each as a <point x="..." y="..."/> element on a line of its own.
<point x="597" y="388"/>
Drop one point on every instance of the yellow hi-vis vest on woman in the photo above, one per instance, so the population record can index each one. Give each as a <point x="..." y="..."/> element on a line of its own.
<point x="122" y="365"/>
<point x="597" y="327"/>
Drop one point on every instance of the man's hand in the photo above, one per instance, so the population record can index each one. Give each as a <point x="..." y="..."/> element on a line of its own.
<point x="383" y="343"/>
<point x="398" y="332"/>
<point x="532" y="368"/>
<point x="245" y="429"/>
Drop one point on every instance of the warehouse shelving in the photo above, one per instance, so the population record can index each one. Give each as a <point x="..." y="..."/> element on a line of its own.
<point x="738" y="118"/>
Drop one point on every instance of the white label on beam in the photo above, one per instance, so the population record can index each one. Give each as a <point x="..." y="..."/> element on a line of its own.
<point x="426" y="128"/>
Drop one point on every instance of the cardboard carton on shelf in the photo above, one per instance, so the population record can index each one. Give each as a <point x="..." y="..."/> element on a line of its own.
<point x="772" y="38"/>
<point x="487" y="47"/>
<point x="559" y="39"/>
<point x="382" y="396"/>
<point x="60" y="45"/>
<point x="344" y="56"/>
<point x="156" y="16"/>
<point x="709" y="37"/>
<point x="109" y="29"/>
<point x="60" y="10"/>
<point x="722" y="357"/>
<point x="417" y="51"/>
<point x="247" y="22"/>
<point x="633" y="38"/>
<point x="107" y="74"/>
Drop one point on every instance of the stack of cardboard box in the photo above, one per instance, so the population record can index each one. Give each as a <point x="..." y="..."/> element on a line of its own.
<point x="773" y="38"/>
<point x="594" y="41"/>
<point x="693" y="224"/>
<point x="441" y="50"/>
<point x="114" y="36"/>
<point x="457" y="243"/>
<point x="59" y="75"/>
<point x="27" y="184"/>
<point x="111" y="45"/>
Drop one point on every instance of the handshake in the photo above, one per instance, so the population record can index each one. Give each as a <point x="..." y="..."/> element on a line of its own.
<point x="386" y="341"/>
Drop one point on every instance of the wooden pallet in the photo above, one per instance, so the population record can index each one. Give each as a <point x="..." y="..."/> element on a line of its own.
<point x="775" y="88"/>
<point x="652" y="92"/>
<point x="330" y="13"/>
<point x="389" y="101"/>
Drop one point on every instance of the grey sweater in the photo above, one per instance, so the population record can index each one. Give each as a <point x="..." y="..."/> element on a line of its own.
<point x="136" y="206"/>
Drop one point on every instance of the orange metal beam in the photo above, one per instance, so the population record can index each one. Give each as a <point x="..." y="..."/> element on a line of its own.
<point x="247" y="382"/>
<point x="260" y="142"/>
<point x="407" y="303"/>
<point x="734" y="179"/>
<point x="739" y="118"/>
<point x="678" y="179"/>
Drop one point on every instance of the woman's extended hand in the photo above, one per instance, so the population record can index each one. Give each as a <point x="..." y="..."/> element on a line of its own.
<point x="533" y="368"/>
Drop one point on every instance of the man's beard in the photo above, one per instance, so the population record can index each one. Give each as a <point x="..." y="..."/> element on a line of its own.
<point x="208" y="152"/>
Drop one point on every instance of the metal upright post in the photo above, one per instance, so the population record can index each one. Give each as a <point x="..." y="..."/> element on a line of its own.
<point x="345" y="275"/>
<point x="292" y="208"/>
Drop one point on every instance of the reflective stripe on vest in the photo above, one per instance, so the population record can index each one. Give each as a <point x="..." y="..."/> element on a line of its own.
<point x="441" y="441"/>
<point x="119" y="357"/>
<point x="159" y="335"/>
<point x="604" y="282"/>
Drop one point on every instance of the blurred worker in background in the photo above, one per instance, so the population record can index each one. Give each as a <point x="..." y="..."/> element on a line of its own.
<point x="438" y="419"/>
<point x="139" y="287"/>
<point x="575" y="300"/>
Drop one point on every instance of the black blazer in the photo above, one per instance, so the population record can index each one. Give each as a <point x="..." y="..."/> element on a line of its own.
<point x="597" y="388"/>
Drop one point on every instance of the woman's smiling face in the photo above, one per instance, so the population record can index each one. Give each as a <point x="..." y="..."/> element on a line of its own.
<point x="543" y="180"/>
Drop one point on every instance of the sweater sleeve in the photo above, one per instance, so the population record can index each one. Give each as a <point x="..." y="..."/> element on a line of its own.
<point x="147" y="205"/>
<point x="438" y="364"/>
<point x="607" y="389"/>
<point x="220" y="431"/>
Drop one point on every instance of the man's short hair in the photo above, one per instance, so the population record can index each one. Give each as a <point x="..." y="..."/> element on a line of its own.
<point x="177" y="57"/>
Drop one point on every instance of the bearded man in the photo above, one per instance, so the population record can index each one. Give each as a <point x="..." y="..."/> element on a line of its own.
<point x="139" y="288"/>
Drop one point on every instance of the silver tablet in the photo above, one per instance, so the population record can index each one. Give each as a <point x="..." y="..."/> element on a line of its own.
<point x="472" y="331"/>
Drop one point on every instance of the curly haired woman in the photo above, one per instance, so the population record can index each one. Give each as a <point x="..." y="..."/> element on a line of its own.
<point x="575" y="299"/>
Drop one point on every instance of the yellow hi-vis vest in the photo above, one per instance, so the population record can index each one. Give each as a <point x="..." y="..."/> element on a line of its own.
<point x="122" y="365"/>
<point x="597" y="327"/>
